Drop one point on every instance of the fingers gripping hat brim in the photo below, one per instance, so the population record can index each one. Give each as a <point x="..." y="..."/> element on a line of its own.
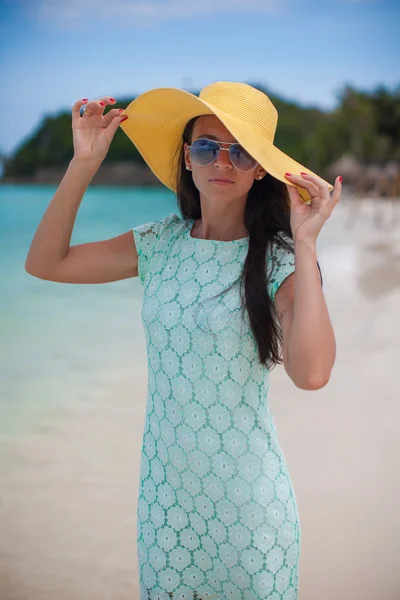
<point x="158" y="118"/>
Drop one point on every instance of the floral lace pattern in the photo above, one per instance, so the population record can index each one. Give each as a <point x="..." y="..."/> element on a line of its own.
<point x="216" y="517"/>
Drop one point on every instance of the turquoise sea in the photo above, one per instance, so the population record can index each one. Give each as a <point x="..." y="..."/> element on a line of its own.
<point x="58" y="341"/>
<point x="57" y="338"/>
<point x="73" y="385"/>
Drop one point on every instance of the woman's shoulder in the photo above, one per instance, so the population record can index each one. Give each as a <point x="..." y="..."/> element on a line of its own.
<point x="173" y="219"/>
<point x="158" y="227"/>
<point x="280" y="245"/>
<point x="172" y="224"/>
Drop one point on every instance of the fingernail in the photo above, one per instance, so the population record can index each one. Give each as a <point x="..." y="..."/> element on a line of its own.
<point x="102" y="104"/>
<point x="124" y="118"/>
<point x="340" y="178"/>
<point x="112" y="100"/>
<point x="287" y="173"/>
<point x="84" y="100"/>
<point x="303" y="173"/>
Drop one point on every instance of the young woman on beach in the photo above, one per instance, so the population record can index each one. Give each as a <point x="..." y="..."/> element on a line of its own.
<point x="232" y="287"/>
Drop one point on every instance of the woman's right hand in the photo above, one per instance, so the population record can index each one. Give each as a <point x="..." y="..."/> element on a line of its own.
<point x="92" y="134"/>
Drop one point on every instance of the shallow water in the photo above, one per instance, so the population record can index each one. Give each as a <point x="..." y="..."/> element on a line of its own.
<point x="73" y="379"/>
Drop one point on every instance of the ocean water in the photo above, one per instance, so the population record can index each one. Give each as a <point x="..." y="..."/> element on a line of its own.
<point x="59" y="341"/>
<point x="56" y="339"/>
<point x="73" y="385"/>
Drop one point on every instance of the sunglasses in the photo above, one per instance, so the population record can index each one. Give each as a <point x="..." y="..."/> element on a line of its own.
<point x="203" y="152"/>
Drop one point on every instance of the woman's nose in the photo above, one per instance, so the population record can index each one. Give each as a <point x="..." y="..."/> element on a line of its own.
<point x="223" y="160"/>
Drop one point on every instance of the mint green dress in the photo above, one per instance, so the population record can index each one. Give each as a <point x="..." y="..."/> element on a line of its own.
<point x="216" y="516"/>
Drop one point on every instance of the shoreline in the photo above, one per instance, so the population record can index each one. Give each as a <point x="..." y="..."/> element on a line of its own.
<point x="69" y="477"/>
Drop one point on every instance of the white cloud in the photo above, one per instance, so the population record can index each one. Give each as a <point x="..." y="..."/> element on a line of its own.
<point x="84" y="13"/>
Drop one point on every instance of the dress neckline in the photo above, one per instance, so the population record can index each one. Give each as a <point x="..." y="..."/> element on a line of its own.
<point x="190" y="223"/>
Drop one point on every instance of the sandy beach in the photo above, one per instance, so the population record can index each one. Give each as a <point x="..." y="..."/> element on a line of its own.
<point x="69" y="484"/>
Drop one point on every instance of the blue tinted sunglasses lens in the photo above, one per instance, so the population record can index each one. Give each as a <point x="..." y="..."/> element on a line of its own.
<point x="203" y="152"/>
<point x="241" y="159"/>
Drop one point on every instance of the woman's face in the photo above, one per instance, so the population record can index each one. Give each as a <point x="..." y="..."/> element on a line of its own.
<point x="206" y="178"/>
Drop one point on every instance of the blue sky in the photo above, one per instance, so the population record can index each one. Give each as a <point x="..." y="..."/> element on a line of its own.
<point x="55" y="52"/>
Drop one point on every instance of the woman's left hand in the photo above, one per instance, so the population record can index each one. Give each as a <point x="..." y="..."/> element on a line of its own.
<point x="306" y="220"/>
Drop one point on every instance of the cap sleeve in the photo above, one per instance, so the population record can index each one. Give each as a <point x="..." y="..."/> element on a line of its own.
<point x="146" y="238"/>
<point x="281" y="265"/>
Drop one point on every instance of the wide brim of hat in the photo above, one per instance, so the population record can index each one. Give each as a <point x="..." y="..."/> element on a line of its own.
<point x="158" y="118"/>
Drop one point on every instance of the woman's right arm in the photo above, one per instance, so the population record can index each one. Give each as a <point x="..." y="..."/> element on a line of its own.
<point x="50" y="255"/>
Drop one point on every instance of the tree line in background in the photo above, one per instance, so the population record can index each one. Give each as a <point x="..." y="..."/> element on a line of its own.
<point x="363" y="129"/>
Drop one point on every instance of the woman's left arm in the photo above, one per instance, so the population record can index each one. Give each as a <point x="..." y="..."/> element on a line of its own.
<point x="309" y="347"/>
<point x="308" y="337"/>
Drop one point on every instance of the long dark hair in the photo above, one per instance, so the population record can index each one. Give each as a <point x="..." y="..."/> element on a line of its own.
<point x="265" y="222"/>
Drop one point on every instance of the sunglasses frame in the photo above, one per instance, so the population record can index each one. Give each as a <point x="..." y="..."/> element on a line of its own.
<point x="230" y="144"/>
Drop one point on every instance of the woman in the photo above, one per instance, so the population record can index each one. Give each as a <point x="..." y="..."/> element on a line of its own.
<point x="231" y="288"/>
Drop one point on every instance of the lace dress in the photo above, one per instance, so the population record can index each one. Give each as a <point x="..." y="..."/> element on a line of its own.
<point x="216" y="516"/>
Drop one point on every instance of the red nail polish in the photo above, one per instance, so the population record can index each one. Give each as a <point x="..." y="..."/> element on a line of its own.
<point x="124" y="118"/>
<point x="84" y="100"/>
<point x="340" y="179"/>
<point x="302" y="173"/>
<point x="120" y="109"/>
<point x="287" y="173"/>
<point x="102" y="104"/>
<point x="112" y="100"/>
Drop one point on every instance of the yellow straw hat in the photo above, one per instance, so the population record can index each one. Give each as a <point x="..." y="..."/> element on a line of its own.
<point x="158" y="118"/>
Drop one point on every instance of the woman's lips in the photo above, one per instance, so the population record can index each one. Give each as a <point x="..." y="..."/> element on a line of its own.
<point x="221" y="181"/>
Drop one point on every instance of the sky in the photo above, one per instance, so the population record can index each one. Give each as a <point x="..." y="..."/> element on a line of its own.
<point x="54" y="52"/>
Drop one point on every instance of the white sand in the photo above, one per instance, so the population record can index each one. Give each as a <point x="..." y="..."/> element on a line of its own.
<point x="69" y="485"/>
